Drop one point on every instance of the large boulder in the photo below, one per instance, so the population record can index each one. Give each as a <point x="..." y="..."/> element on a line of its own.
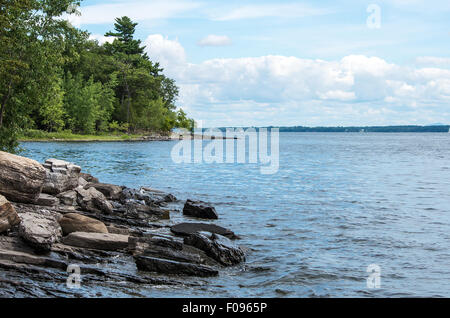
<point x="21" y="179"/>
<point x="200" y="209"/>
<point x="217" y="247"/>
<point x="165" y="266"/>
<point x="8" y="215"/>
<point x="61" y="176"/>
<point x="73" y="222"/>
<point x="98" y="241"/>
<point x="186" y="229"/>
<point x="93" y="200"/>
<point x="110" y="191"/>
<point x="40" y="230"/>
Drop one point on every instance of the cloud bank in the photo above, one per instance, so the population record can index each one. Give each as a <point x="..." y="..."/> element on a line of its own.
<point x="287" y="90"/>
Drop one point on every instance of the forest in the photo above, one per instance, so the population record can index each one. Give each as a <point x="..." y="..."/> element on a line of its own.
<point x="53" y="78"/>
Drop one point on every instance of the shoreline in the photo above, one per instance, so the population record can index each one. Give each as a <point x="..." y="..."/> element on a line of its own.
<point x="68" y="217"/>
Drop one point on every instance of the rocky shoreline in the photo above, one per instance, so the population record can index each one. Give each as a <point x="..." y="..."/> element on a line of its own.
<point x="61" y="227"/>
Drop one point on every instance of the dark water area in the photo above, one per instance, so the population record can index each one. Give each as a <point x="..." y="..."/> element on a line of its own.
<point x="339" y="203"/>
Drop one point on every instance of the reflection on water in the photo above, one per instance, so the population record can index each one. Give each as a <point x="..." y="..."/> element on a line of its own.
<point x="339" y="203"/>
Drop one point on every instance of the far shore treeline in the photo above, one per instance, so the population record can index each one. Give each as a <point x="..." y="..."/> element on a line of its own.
<point x="353" y="129"/>
<point x="54" y="79"/>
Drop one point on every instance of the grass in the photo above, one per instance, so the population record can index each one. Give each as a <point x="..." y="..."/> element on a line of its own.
<point x="38" y="135"/>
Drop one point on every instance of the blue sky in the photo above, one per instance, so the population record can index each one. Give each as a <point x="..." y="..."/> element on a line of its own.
<point x="309" y="63"/>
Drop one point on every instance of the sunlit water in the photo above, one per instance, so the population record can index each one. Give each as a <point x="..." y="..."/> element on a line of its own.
<point x="339" y="203"/>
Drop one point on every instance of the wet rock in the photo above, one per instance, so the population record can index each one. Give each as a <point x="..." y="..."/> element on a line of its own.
<point x="110" y="191"/>
<point x="167" y="248"/>
<point x="73" y="222"/>
<point x="89" y="178"/>
<point x="217" y="247"/>
<point x="93" y="200"/>
<point x="39" y="230"/>
<point x="8" y="215"/>
<point x="47" y="200"/>
<point x="118" y="230"/>
<point x="68" y="198"/>
<point x="61" y="176"/>
<point x="186" y="229"/>
<point x="21" y="179"/>
<point x="164" y="266"/>
<point x="100" y="241"/>
<point x="31" y="259"/>
<point x="199" y="209"/>
<point x="146" y="212"/>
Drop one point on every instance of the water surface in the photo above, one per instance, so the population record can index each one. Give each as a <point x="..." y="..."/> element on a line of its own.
<point x="339" y="203"/>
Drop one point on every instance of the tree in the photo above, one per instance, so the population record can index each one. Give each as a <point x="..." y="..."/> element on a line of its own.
<point x="30" y="34"/>
<point x="124" y="41"/>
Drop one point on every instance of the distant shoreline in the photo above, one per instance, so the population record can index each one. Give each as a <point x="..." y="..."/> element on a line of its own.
<point x="360" y="129"/>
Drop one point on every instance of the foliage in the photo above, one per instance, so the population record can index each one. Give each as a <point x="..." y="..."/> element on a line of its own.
<point x="54" y="79"/>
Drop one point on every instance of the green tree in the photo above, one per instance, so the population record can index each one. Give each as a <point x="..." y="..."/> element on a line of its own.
<point x="30" y="53"/>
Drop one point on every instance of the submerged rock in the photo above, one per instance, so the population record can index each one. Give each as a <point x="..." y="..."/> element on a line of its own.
<point x="61" y="176"/>
<point x="8" y="215"/>
<point x="73" y="222"/>
<point x="100" y="241"/>
<point x="200" y="209"/>
<point x="217" y="247"/>
<point x="165" y="266"/>
<point x="21" y="179"/>
<point x="186" y="229"/>
<point x="40" y="230"/>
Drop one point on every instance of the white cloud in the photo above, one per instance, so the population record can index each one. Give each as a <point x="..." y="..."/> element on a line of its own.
<point x="286" y="10"/>
<point x="291" y="91"/>
<point x="215" y="40"/>
<point x="169" y="53"/>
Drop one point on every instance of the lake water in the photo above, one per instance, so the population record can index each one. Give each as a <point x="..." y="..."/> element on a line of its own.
<point x="338" y="203"/>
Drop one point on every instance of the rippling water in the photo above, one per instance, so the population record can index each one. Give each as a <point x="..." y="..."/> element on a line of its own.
<point x="338" y="203"/>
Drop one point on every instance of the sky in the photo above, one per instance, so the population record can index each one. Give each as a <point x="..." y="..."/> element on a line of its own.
<point x="295" y="63"/>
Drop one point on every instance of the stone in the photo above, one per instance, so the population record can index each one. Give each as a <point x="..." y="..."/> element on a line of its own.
<point x="98" y="241"/>
<point x="166" y="248"/>
<point x="47" y="200"/>
<point x="82" y="182"/>
<point x="217" y="247"/>
<point x="146" y="212"/>
<point x="61" y="176"/>
<point x="68" y="198"/>
<point x="8" y="215"/>
<point x="40" y="230"/>
<point x="186" y="229"/>
<point x="164" y="266"/>
<point x="200" y="209"/>
<point x="89" y="178"/>
<point x="93" y="200"/>
<point x="110" y="191"/>
<point x="73" y="222"/>
<point x="21" y="179"/>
